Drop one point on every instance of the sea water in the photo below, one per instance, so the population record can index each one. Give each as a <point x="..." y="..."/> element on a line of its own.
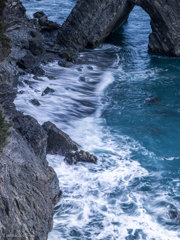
<point x="121" y="103"/>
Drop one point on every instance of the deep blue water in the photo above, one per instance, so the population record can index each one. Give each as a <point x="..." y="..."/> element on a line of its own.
<point x="132" y="191"/>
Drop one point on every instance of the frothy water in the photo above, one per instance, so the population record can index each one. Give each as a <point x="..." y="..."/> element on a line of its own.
<point x="105" y="104"/>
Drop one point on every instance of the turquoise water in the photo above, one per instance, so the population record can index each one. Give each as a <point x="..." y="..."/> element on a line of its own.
<point x="134" y="189"/>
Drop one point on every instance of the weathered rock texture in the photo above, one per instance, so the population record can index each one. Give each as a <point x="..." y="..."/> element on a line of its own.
<point x="80" y="156"/>
<point x="24" y="43"/>
<point x="58" y="141"/>
<point x="165" y="24"/>
<point x="91" y="21"/>
<point x="29" y="188"/>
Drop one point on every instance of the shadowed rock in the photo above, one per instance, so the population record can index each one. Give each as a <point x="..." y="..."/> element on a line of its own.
<point x="152" y="100"/>
<point x="90" y="22"/>
<point x="47" y="90"/>
<point x="29" y="188"/>
<point x="35" y="102"/>
<point x="58" y="141"/>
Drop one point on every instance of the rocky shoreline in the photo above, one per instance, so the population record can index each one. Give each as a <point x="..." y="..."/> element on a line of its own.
<point x="29" y="187"/>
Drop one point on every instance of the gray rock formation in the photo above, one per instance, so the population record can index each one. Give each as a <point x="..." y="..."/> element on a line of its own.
<point x="165" y="19"/>
<point x="58" y="141"/>
<point x="26" y="43"/>
<point x="80" y="156"/>
<point x="29" y="188"/>
<point x="90" y="22"/>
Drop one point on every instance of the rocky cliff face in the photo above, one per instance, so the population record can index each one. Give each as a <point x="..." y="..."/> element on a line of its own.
<point x="90" y="22"/>
<point x="30" y="42"/>
<point x="29" y="188"/>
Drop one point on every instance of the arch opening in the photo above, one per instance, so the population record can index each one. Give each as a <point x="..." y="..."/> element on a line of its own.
<point x="91" y="22"/>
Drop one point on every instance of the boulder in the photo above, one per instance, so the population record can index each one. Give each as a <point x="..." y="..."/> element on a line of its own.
<point x="27" y="62"/>
<point x="39" y="14"/>
<point x="35" y="102"/>
<point x="58" y="141"/>
<point x="37" y="71"/>
<point x="36" y="47"/>
<point x="47" y="90"/>
<point x="80" y="156"/>
<point x="152" y="100"/>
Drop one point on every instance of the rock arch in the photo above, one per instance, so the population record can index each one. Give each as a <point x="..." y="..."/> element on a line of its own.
<point x="91" y="21"/>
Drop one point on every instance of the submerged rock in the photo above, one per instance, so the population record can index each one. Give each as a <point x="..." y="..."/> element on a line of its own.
<point x="47" y="90"/>
<point x="80" y="156"/>
<point x="63" y="63"/>
<point x="152" y="100"/>
<point x="58" y="141"/>
<point x="173" y="213"/>
<point x="37" y="71"/>
<point x="35" y="102"/>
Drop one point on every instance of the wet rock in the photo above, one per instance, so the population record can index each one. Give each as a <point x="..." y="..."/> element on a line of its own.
<point x="35" y="102"/>
<point x="173" y="213"/>
<point x="21" y="92"/>
<point x="58" y="141"/>
<point x="37" y="71"/>
<point x="152" y="100"/>
<point x="27" y="62"/>
<point x="39" y="14"/>
<point x="63" y="63"/>
<point x="89" y="67"/>
<point x="47" y="91"/>
<point x="36" y="47"/>
<point x="36" y="78"/>
<point x="80" y="156"/>
<point x="68" y="55"/>
<point x="29" y="83"/>
<point x="83" y="79"/>
<point x="50" y="77"/>
<point x="37" y="90"/>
